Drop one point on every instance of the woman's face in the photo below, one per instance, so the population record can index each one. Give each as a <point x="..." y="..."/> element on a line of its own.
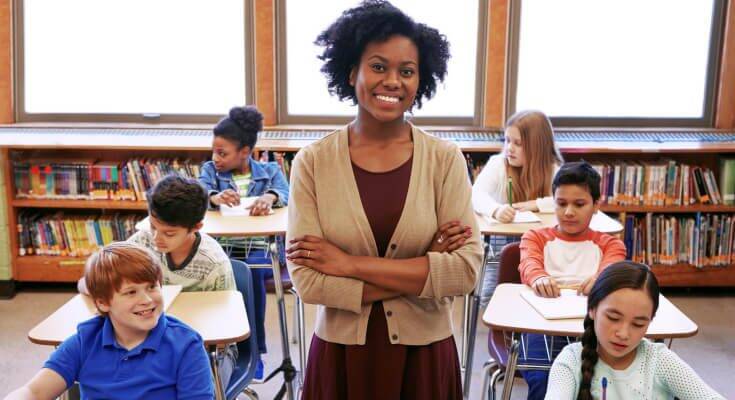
<point x="387" y="78"/>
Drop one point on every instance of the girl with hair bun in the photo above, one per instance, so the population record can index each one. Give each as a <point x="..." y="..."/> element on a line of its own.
<point x="233" y="173"/>
<point x="613" y="353"/>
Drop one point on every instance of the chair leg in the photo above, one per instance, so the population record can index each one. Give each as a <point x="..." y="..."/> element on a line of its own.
<point x="251" y="394"/>
<point x="294" y="333"/>
<point x="497" y="375"/>
<point x="302" y="339"/>
<point x="485" y="377"/>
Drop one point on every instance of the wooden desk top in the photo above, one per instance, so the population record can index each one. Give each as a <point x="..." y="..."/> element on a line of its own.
<point x="600" y="222"/>
<point x="219" y="317"/>
<point x="508" y="311"/>
<point x="246" y="226"/>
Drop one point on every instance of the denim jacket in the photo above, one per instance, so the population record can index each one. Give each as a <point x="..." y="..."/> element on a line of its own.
<point x="264" y="177"/>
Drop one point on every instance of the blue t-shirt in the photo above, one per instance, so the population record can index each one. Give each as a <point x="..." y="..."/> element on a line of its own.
<point x="171" y="363"/>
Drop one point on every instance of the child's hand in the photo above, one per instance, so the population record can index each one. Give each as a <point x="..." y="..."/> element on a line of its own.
<point x="227" y="196"/>
<point x="450" y="236"/>
<point x="262" y="205"/>
<point x="526" y="206"/>
<point x="546" y="287"/>
<point x="504" y="214"/>
<point x="586" y="285"/>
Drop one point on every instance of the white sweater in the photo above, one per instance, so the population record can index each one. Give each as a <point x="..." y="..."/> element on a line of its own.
<point x="656" y="373"/>
<point x="490" y="190"/>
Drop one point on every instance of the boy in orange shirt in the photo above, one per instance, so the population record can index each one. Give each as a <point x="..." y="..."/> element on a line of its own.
<point x="568" y="255"/>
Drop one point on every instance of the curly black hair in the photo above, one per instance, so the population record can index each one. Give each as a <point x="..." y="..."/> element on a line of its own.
<point x="241" y="126"/>
<point x="376" y="21"/>
<point x="178" y="201"/>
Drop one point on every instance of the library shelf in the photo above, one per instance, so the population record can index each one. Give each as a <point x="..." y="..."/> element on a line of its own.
<point x="81" y="204"/>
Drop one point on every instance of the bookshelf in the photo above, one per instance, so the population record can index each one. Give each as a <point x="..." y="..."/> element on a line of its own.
<point x="117" y="145"/>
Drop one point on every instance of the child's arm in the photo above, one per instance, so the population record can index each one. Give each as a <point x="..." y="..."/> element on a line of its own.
<point x="681" y="380"/>
<point x="46" y="385"/>
<point x="562" y="383"/>
<point x="487" y="182"/>
<point x="613" y="250"/>
<point x="279" y="187"/>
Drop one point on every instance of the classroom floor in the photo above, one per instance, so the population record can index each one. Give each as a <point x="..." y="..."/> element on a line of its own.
<point x="711" y="352"/>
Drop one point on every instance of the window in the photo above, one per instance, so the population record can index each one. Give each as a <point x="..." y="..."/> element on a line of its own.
<point x="131" y="60"/>
<point x="305" y="87"/>
<point x="620" y="62"/>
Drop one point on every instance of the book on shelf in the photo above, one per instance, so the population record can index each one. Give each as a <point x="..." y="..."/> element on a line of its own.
<point x="727" y="180"/>
<point x="74" y="235"/>
<point x="95" y="180"/>
<point x="701" y="240"/>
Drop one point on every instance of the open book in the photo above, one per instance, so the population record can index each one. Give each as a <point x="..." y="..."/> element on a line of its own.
<point x="568" y="305"/>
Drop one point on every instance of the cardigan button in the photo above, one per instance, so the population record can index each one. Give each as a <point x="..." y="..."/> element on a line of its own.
<point x="393" y="246"/>
<point x="395" y="337"/>
<point x="389" y="313"/>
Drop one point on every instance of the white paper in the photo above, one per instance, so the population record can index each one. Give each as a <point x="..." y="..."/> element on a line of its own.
<point x="239" y="210"/>
<point x="568" y="305"/>
<point x="523" y="217"/>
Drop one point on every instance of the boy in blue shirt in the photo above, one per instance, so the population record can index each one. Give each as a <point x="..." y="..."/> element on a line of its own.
<point x="132" y="350"/>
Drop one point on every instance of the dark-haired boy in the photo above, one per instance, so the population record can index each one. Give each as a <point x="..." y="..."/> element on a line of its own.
<point x="569" y="253"/>
<point x="132" y="350"/>
<point x="190" y="258"/>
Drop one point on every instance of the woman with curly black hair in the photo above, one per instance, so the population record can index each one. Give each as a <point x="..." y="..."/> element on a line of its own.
<point x="381" y="230"/>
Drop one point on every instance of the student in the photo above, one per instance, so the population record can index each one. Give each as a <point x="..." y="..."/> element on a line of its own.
<point x="233" y="173"/>
<point x="530" y="158"/>
<point x="569" y="253"/>
<point x="369" y="202"/>
<point x="190" y="258"/>
<point x="133" y="350"/>
<point x="621" y="305"/>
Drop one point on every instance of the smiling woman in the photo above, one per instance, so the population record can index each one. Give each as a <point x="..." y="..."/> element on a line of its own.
<point x="383" y="274"/>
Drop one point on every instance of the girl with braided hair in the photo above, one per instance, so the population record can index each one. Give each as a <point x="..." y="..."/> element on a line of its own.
<point x="613" y="353"/>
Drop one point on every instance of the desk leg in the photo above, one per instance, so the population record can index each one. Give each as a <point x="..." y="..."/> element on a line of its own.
<point x="472" y="323"/>
<point x="510" y="369"/>
<point x="216" y="355"/>
<point x="289" y="372"/>
<point x="466" y="300"/>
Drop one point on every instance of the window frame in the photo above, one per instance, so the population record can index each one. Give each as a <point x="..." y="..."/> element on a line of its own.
<point x="286" y="118"/>
<point x="19" y="87"/>
<point x="710" y="95"/>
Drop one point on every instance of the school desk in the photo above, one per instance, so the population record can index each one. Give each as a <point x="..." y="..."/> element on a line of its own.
<point x="219" y="317"/>
<point x="600" y="222"/>
<point x="509" y="312"/>
<point x="269" y="226"/>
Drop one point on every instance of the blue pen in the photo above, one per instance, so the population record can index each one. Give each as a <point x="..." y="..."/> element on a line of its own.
<point x="604" y="388"/>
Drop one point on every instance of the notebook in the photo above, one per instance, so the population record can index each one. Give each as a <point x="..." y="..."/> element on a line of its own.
<point x="567" y="306"/>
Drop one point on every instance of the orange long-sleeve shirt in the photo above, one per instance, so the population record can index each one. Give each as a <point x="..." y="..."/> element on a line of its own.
<point x="548" y="252"/>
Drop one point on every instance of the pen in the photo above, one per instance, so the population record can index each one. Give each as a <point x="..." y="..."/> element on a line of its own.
<point x="510" y="192"/>
<point x="604" y="388"/>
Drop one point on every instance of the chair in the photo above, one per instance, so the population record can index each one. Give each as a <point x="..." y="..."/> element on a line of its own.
<point x="248" y="354"/>
<point x="509" y="259"/>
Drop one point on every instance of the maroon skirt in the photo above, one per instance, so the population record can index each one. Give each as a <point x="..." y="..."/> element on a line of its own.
<point x="381" y="370"/>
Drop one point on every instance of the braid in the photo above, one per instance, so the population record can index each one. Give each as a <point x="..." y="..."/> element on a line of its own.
<point x="589" y="359"/>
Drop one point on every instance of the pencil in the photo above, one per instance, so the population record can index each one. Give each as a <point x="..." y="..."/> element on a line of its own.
<point x="510" y="192"/>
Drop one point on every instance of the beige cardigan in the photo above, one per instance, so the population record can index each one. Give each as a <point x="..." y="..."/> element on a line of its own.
<point x="325" y="202"/>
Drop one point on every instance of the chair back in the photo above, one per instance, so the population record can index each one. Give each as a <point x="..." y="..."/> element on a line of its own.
<point x="248" y="353"/>
<point x="510" y="258"/>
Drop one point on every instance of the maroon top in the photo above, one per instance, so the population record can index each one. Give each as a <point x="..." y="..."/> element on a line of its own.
<point x="383" y="195"/>
<point x="379" y="369"/>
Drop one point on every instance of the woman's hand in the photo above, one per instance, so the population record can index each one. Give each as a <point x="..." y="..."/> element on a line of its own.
<point x="227" y="196"/>
<point x="504" y="214"/>
<point x="262" y="205"/>
<point x="317" y="253"/>
<point x="450" y="236"/>
<point x="529" y="205"/>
